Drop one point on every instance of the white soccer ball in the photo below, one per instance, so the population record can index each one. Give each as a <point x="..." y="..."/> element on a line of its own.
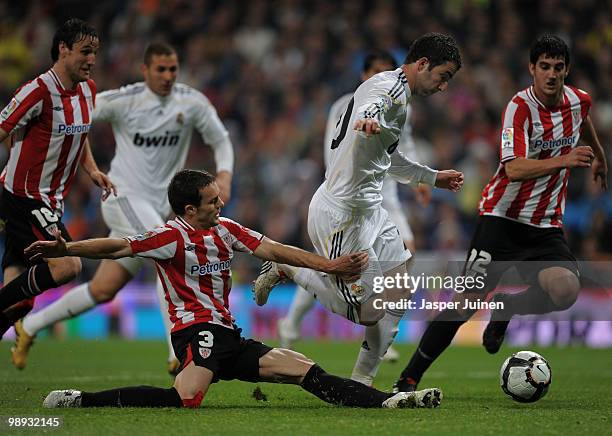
<point x="525" y="376"/>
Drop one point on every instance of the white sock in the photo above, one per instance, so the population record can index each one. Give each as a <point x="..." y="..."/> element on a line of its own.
<point x="163" y="308"/>
<point x="302" y="302"/>
<point x="71" y="304"/>
<point x="378" y="338"/>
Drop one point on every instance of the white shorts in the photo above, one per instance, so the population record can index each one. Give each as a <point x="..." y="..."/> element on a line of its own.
<point x="128" y="216"/>
<point x="393" y="205"/>
<point x="336" y="231"/>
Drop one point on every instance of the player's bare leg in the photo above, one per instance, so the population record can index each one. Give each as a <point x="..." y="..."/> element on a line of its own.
<point x="35" y="280"/>
<point x="557" y="289"/>
<point x="436" y="338"/>
<point x="287" y="366"/>
<point x="189" y="389"/>
<point x="109" y="278"/>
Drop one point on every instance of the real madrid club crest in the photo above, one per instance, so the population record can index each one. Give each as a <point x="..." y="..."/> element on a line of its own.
<point x="179" y="118"/>
<point x="357" y="290"/>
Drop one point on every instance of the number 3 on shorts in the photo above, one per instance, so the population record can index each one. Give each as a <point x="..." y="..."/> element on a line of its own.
<point x="207" y="341"/>
<point x="478" y="262"/>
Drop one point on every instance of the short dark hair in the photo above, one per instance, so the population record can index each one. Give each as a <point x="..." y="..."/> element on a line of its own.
<point x="73" y="30"/>
<point x="437" y="48"/>
<point x="157" y="49"/>
<point x="378" y="55"/>
<point x="551" y="46"/>
<point x="184" y="189"/>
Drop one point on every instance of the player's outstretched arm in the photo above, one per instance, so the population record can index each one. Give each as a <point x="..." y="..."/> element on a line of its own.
<point x="600" y="164"/>
<point x="101" y="248"/>
<point x="348" y="267"/>
<point x="522" y="168"/>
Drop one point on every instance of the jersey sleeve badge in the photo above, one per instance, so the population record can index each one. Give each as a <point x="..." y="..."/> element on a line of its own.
<point x="508" y="137"/>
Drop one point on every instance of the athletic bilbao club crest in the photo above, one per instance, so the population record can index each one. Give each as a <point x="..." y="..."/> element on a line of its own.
<point x="205" y="352"/>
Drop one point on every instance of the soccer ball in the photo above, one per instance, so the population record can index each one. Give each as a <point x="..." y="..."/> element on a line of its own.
<point x="525" y="376"/>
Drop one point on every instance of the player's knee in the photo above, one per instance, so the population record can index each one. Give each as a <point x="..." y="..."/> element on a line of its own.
<point x="65" y="270"/>
<point x="101" y="292"/>
<point x="563" y="290"/>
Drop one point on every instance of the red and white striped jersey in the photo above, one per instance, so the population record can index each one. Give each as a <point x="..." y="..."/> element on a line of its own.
<point x="194" y="267"/>
<point x="49" y="125"/>
<point x="533" y="131"/>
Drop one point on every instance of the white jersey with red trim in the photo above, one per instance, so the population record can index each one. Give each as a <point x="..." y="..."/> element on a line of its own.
<point x="49" y="125"/>
<point x="533" y="131"/>
<point x="194" y="267"/>
<point x="153" y="135"/>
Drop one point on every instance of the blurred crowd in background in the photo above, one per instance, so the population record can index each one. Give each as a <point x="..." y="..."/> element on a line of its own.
<point x="272" y="69"/>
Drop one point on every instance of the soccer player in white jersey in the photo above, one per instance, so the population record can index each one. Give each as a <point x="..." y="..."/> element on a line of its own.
<point x="193" y="255"/>
<point x="345" y="213"/>
<point x="152" y="123"/>
<point x="521" y="209"/>
<point x="47" y="121"/>
<point x="303" y="301"/>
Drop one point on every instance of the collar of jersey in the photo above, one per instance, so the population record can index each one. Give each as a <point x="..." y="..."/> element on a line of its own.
<point x="531" y="93"/>
<point x="404" y="80"/>
<point x="161" y="99"/>
<point x="60" y="86"/>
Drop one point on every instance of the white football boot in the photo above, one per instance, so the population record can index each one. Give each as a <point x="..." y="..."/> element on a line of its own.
<point x="63" y="398"/>
<point x="428" y="398"/>
<point x="270" y="275"/>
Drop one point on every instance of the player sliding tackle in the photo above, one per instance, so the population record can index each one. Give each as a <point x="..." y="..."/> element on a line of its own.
<point x="346" y="215"/>
<point x="193" y="254"/>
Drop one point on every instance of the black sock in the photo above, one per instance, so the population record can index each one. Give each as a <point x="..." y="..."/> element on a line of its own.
<point x="532" y="300"/>
<point x="341" y="391"/>
<point x="134" y="396"/>
<point x="5" y="323"/>
<point x="30" y="283"/>
<point x="437" y="337"/>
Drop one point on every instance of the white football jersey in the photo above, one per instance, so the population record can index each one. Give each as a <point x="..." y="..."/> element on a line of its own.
<point x="406" y="145"/>
<point x="356" y="164"/>
<point x="153" y="134"/>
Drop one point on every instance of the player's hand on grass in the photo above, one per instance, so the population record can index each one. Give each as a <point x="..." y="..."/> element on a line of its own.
<point x="600" y="171"/>
<point x="581" y="156"/>
<point x="350" y="266"/>
<point x="449" y="179"/>
<point x="104" y="182"/>
<point x="45" y="249"/>
<point x="367" y="126"/>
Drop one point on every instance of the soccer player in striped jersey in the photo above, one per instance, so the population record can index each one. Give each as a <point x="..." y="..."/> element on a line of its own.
<point x="152" y="122"/>
<point x="345" y="213"/>
<point x="521" y="209"/>
<point x="193" y="255"/>
<point x="374" y="63"/>
<point x="47" y="120"/>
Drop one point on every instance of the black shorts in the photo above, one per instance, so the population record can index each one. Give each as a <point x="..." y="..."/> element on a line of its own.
<point x="499" y="244"/>
<point x="220" y="349"/>
<point x="26" y="221"/>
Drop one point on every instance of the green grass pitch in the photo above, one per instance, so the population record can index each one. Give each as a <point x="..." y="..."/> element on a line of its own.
<point x="578" y="402"/>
